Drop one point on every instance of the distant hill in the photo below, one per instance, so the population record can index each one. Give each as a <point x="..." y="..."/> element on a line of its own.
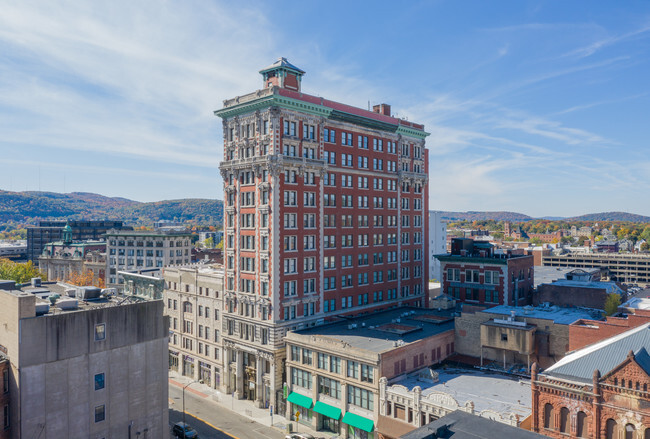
<point x="612" y="216"/>
<point x="29" y="207"/>
<point x="481" y="216"/>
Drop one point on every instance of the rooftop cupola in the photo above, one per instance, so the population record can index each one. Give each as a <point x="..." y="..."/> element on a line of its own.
<point x="282" y="74"/>
<point x="67" y="234"/>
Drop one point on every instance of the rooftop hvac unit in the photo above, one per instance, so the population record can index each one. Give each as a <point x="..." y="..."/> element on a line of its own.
<point x="67" y="304"/>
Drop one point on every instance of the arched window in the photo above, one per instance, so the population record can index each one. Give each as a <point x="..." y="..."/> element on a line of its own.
<point x="610" y="429"/>
<point x="581" y="424"/>
<point x="548" y="416"/>
<point x="616" y="381"/>
<point x="629" y="431"/>
<point x="564" y="420"/>
<point x="187" y="307"/>
<point x="647" y="433"/>
<point x="638" y="386"/>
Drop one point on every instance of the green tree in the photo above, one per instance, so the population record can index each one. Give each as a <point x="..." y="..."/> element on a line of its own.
<point x="209" y="242"/>
<point x="220" y="245"/>
<point x="535" y="240"/>
<point x="645" y="247"/>
<point x="19" y="272"/>
<point x="612" y="303"/>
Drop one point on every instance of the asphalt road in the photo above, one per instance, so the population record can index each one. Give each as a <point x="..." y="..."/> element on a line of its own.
<point x="212" y="421"/>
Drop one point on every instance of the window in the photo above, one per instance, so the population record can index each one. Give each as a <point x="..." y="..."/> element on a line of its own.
<point x="100" y="413"/>
<point x="5" y="381"/>
<point x="99" y="381"/>
<point x="581" y="424"/>
<point x="548" y="416"/>
<point x="335" y="364"/>
<point x="610" y="428"/>
<point x="300" y="378"/>
<point x="360" y="397"/>
<point x="564" y="420"/>
<point x="353" y="369"/>
<point x="329" y="387"/>
<point x="367" y="373"/>
<point x="100" y="332"/>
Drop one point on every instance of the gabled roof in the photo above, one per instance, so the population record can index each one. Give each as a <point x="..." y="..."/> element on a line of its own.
<point x="642" y="358"/>
<point x="604" y="356"/>
<point x="282" y="63"/>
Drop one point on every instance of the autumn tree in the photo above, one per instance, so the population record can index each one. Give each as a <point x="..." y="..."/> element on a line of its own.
<point x="19" y="272"/>
<point x="85" y="279"/>
<point x="612" y="303"/>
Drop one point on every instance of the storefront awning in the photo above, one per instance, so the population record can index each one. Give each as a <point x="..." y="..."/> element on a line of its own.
<point x="327" y="410"/>
<point x="301" y="400"/>
<point x="360" y="422"/>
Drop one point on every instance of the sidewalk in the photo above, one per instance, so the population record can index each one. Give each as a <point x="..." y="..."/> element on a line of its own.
<point x="242" y="407"/>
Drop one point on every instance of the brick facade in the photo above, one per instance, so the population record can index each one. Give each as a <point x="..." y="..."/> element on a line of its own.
<point x="325" y="212"/>
<point x="615" y="406"/>
<point x="468" y="275"/>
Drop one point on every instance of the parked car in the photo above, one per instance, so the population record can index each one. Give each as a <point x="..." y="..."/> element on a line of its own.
<point x="299" y="436"/>
<point x="180" y="427"/>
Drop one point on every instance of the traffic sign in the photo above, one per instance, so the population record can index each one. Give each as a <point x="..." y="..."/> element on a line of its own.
<point x="297" y="416"/>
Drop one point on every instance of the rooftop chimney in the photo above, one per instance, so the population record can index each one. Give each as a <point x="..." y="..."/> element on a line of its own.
<point x="381" y="109"/>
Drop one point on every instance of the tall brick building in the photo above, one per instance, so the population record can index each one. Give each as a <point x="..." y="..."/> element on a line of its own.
<point x="599" y="391"/>
<point x="325" y="214"/>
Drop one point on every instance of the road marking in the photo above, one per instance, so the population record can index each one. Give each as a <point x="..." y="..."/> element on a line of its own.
<point x="207" y="423"/>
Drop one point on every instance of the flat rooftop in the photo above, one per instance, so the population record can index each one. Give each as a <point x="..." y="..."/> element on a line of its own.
<point x="380" y="331"/>
<point x="560" y="316"/>
<point x="488" y="391"/>
<point x="546" y="275"/>
<point x="637" y="303"/>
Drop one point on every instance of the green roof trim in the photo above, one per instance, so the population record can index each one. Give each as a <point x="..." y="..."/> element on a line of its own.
<point x="360" y="422"/>
<point x="327" y="410"/>
<point x="301" y="400"/>
<point x="407" y="131"/>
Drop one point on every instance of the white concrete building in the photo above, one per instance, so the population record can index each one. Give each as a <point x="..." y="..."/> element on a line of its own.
<point x="437" y="243"/>
<point x="193" y="296"/>
<point x="143" y="251"/>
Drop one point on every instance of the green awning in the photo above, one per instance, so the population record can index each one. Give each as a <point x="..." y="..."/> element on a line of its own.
<point x="301" y="400"/>
<point x="327" y="410"/>
<point x="360" y="422"/>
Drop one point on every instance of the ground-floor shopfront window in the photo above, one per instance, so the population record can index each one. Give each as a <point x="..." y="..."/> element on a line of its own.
<point x="329" y="424"/>
<point x="173" y="360"/>
<point x="217" y="377"/>
<point x="305" y="414"/>
<point x="205" y="373"/>
<point x="188" y="366"/>
<point x="356" y="433"/>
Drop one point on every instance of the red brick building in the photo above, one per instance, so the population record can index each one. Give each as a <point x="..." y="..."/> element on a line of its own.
<point x="474" y="272"/>
<point x="325" y="208"/>
<point x="585" y="332"/>
<point x="599" y="392"/>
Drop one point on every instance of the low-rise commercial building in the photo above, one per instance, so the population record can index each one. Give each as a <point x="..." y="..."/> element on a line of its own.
<point x="193" y="297"/>
<point x="512" y="338"/>
<point x="429" y="394"/>
<point x="578" y="288"/>
<point x="475" y="272"/>
<point x="334" y="371"/>
<point x="85" y="369"/>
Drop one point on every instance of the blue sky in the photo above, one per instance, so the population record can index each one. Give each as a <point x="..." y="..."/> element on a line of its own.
<point x="537" y="107"/>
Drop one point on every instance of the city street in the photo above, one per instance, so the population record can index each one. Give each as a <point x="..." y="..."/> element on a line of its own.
<point x="211" y="420"/>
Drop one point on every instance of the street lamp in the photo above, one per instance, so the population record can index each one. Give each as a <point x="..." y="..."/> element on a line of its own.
<point x="185" y="387"/>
